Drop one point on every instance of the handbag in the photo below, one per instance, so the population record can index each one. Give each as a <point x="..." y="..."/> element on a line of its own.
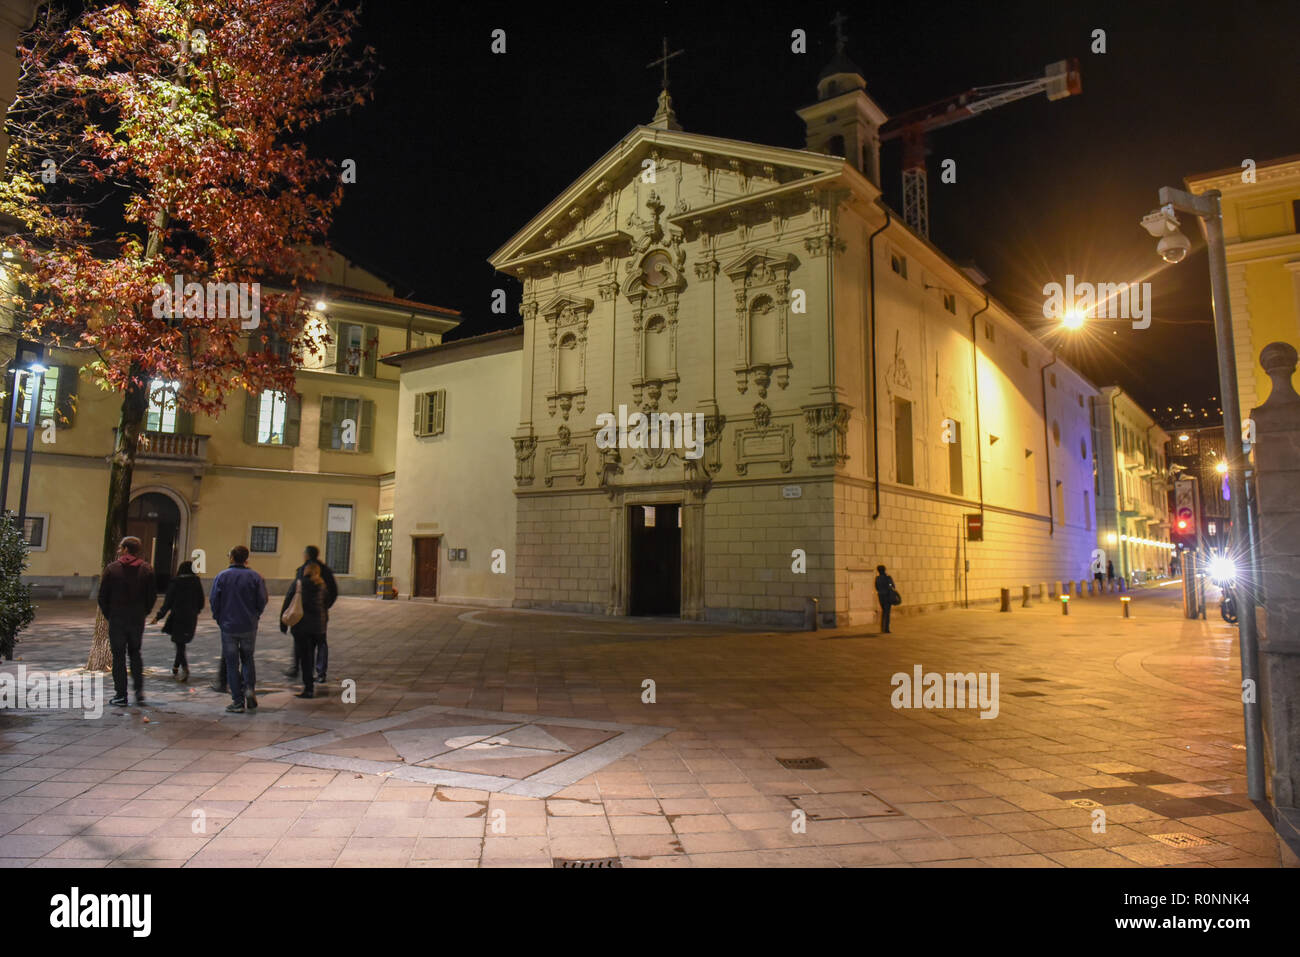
<point x="293" y="614"/>
<point x="894" y="597"/>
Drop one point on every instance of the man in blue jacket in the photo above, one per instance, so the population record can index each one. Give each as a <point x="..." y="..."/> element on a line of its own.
<point x="237" y="599"/>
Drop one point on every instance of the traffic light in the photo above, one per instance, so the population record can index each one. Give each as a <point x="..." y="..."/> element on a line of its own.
<point x="1185" y="523"/>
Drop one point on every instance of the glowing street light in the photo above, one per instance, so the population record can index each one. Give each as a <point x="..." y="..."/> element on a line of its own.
<point x="1221" y="467"/>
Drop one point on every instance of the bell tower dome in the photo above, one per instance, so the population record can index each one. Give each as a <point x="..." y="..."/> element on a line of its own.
<point x="845" y="121"/>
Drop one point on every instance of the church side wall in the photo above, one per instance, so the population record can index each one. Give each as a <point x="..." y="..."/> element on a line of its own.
<point x="563" y="551"/>
<point x="750" y="532"/>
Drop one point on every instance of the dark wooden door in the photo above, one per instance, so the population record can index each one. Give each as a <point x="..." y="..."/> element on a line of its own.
<point x="426" y="568"/>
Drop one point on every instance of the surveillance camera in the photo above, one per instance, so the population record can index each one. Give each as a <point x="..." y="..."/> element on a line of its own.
<point x="1173" y="248"/>
<point x="1160" y="222"/>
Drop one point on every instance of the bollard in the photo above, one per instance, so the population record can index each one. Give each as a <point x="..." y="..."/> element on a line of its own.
<point x="1052" y="588"/>
<point x="1125" y="603"/>
<point x="810" y="614"/>
<point x="1065" y="604"/>
<point x="1092" y="587"/>
<point x="1078" y="588"/>
<point x="1024" y="597"/>
<point x="1006" y="600"/>
<point x="1042" y="591"/>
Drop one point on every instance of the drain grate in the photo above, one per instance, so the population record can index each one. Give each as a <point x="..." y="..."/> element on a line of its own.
<point x="590" y="862"/>
<point x="802" y="764"/>
<point x="1181" y="839"/>
<point x="842" y="806"/>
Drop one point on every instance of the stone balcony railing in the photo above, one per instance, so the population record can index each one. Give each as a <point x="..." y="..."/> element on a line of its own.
<point x="171" y="447"/>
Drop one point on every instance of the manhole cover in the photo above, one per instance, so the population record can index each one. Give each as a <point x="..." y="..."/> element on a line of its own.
<point x="802" y="764"/>
<point x="1084" y="802"/>
<point x="842" y="806"/>
<point x="591" y="862"/>
<point x="1180" y="839"/>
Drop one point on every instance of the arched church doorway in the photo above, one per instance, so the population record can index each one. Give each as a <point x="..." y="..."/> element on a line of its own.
<point x="155" y="519"/>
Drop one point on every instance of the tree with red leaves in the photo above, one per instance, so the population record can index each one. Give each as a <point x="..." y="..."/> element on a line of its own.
<point x="172" y="133"/>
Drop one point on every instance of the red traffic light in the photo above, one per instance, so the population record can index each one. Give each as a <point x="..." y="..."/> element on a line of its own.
<point x="1185" y="522"/>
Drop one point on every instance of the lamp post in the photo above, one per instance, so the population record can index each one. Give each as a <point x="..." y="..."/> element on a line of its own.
<point x="1173" y="246"/>
<point x="30" y="360"/>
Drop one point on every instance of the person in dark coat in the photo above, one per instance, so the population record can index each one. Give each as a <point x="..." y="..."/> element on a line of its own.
<point x="127" y="592"/>
<point x="312" y="554"/>
<point x="308" y="631"/>
<point x="885" y="592"/>
<point x="182" y="605"/>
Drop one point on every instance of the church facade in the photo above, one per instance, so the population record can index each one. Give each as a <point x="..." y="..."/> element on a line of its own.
<point x="860" y="400"/>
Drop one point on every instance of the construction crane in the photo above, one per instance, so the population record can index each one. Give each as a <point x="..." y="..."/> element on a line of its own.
<point x="1061" y="79"/>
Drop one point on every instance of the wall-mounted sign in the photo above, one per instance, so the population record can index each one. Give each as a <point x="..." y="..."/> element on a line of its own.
<point x="339" y="519"/>
<point x="458" y="554"/>
<point x="792" y="491"/>
<point x="974" y="527"/>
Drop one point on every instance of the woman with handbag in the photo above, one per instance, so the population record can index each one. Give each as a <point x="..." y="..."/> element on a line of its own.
<point x="888" y="596"/>
<point x="305" y="613"/>
<point x="182" y="605"/>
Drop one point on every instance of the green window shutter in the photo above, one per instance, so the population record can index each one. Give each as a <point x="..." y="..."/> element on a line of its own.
<point x="332" y="347"/>
<point x="366" y="428"/>
<point x="421" y="409"/>
<point x="184" y="421"/>
<point x="66" y="402"/>
<point x="326" y="438"/>
<point x="7" y="386"/>
<point x="252" y="405"/>
<point x="342" y="336"/>
<point x="439" y="411"/>
<point x="292" y="420"/>
<point x="371" y="346"/>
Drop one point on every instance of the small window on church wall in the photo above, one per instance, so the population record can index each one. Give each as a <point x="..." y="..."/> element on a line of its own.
<point x="898" y="264"/>
<point x="836" y="146"/>
<point x="764" y="345"/>
<point x="657" y="364"/>
<point x="568" y="372"/>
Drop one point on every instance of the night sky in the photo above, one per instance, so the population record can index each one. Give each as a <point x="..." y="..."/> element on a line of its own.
<point x="461" y="147"/>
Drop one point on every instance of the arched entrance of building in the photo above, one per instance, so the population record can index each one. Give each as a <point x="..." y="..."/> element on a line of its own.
<point x="158" y="519"/>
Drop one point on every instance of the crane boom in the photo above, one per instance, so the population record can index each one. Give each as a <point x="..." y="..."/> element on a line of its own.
<point x="1059" y="80"/>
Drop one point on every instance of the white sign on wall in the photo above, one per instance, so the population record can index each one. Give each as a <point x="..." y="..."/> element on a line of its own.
<point x="339" y="519"/>
<point x="792" y="491"/>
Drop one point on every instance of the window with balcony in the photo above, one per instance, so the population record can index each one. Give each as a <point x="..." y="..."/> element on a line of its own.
<point x="356" y="349"/>
<point x="163" y="414"/>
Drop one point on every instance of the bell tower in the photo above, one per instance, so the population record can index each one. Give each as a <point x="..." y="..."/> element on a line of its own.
<point x="845" y="121"/>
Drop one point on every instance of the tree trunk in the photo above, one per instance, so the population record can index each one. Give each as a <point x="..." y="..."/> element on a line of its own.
<point x="135" y="404"/>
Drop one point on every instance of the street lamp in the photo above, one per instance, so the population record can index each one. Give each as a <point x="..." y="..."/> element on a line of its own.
<point x="30" y="361"/>
<point x="1173" y="247"/>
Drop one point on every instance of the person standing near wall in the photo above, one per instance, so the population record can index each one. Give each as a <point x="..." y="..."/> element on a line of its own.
<point x="888" y="596"/>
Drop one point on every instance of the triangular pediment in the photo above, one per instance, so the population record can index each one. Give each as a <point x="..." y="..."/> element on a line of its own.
<point x="587" y="215"/>
<point x="562" y="302"/>
<point x="759" y="259"/>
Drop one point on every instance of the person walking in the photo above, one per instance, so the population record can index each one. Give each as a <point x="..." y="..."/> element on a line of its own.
<point x="1099" y="577"/>
<point x="307" y="619"/>
<point x="888" y="596"/>
<point x="311" y="554"/>
<point x="1110" y="576"/>
<point x="127" y="592"/>
<point x="182" y="605"/>
<point x="237" y="600"/>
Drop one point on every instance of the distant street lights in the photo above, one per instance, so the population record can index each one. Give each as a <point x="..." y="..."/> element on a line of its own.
<point x="29" y="361"/>
<point x="1173" y="247"/>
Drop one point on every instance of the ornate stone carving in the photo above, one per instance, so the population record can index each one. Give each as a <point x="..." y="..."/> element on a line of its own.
<point x="761" y="282"/>
<point x="764" y="442"/>
<point x="525" y="449"/>
<point x="827" y="427"/>
<point x="566" y="329"/>
<point x="566" y="460"/>
<point x="653" y="290"/>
